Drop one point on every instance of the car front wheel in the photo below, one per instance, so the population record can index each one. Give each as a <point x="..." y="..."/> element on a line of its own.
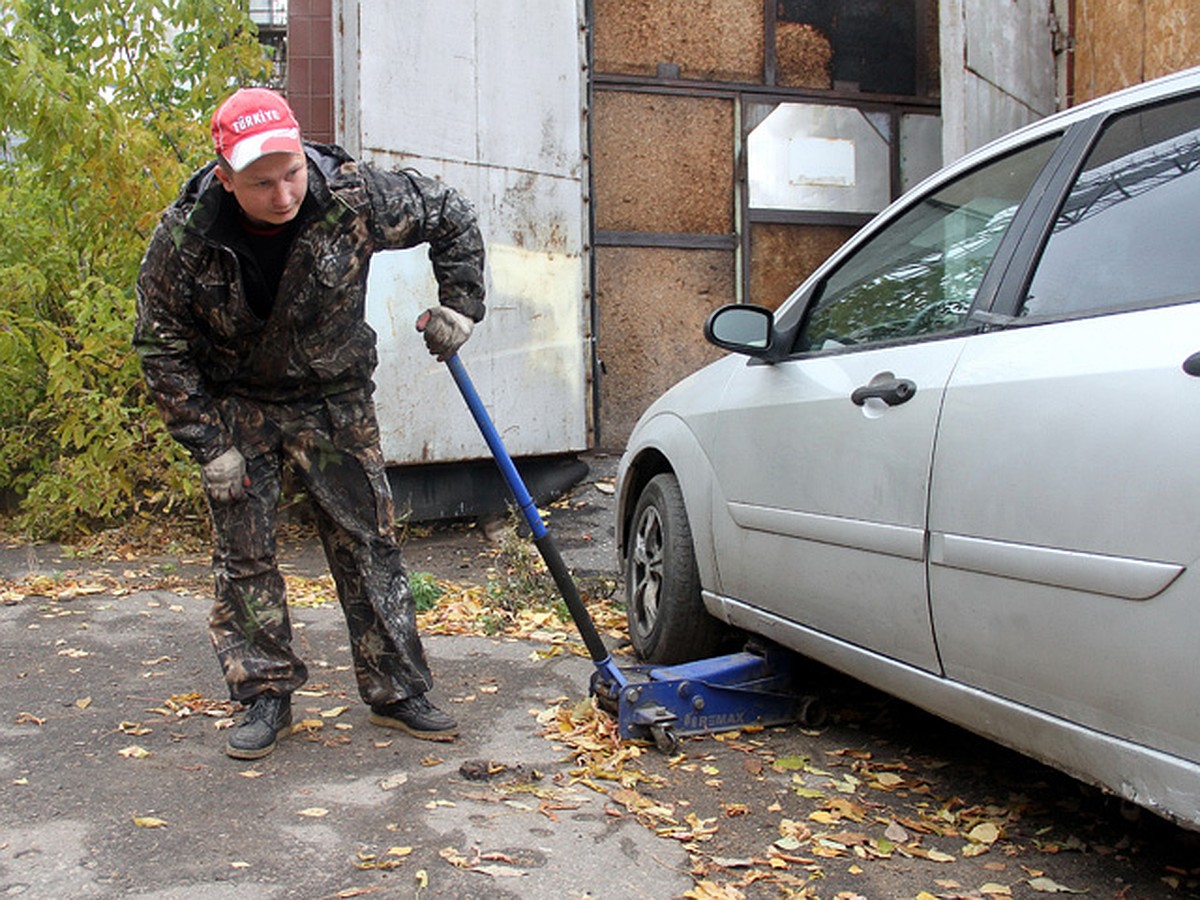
<point x="667" y="619"/>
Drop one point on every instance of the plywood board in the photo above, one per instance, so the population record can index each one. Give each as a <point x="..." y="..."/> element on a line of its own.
<point x="711" y="40"/>
<point x="652" y="306"/>
<point x="663" y="163"/>
<point x="1119" y="43"/>
<point x="782" y="256"/>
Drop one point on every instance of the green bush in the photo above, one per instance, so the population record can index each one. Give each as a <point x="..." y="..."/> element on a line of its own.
<point x="103" y="113"/>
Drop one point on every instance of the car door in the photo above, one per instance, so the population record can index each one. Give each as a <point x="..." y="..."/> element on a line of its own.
<point x="1064" y="520"/>
<point x="822" y="460"/>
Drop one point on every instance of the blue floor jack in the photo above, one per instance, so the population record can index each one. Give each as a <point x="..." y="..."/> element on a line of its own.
<point x="655" y="703"/>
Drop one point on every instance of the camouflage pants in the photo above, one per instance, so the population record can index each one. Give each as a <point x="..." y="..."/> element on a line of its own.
<point x="333" y="446"/>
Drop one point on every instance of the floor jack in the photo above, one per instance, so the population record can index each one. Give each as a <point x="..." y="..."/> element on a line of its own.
<point x="655" y="703"/>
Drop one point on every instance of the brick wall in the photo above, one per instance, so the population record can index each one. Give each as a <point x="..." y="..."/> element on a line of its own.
<point x="310" y="67"/>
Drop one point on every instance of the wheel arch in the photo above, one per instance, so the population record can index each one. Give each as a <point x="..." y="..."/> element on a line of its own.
<point x="666" y="445"/>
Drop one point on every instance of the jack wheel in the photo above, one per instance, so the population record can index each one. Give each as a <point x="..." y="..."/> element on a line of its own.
<point x="665" y="739"/>
<point x="811" y="712"/>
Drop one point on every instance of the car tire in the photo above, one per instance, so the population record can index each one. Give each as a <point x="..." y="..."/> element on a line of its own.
<point x="667" y="620"/>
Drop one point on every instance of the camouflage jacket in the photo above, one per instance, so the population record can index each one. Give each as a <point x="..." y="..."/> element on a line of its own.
<point x="201" y="345"/>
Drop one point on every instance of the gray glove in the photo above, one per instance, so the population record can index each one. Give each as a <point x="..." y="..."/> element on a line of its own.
<point x="445" y="330"/>
<point x="225" y="477"/>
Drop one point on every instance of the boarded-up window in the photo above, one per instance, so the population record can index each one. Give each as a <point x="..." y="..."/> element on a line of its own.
<point x="663" y="163"/>
<point x="715" y="40"/>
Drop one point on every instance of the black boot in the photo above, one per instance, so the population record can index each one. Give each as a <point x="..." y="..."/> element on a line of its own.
<point x="255" y="736"/>
<point x="417" y="716"/>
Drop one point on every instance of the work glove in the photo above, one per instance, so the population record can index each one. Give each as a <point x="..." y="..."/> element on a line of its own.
<point x="225" y="477"/>
<point x="445" y="330"/>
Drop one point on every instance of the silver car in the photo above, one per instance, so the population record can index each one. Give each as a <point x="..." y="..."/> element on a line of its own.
<point x="962" y="462"/>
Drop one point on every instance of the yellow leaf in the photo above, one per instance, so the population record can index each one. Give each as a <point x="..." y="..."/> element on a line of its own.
<point x="134" y="752"/>
<point x="83" y="702"/>
<point x="996" y="890"/>
<point x="238" y="864"/>
<point x="422" y="879"/>
<point x="984" y="833"/>
<point x="333" y="713"/>
<point x="148" y="821"/>
<point x="398" y="851"/>
<point x="313" y="812"/>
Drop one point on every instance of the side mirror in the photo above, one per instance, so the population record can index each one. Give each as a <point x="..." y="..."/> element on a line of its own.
<point x="741" y="329"/>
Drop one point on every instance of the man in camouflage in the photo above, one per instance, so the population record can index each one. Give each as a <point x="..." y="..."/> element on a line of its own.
<point x="252" y="336"/>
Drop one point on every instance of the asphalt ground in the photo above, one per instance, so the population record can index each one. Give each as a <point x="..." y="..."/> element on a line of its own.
<point x="115" y="784"/>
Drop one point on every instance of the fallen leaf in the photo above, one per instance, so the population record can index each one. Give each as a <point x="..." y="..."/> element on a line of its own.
<point x="313" y="812"/>
<point x="1049" y="886"/>
<point x="83" y="702"/>
<point x="995" y="890"/>
<point x="148" y="821"/>
<point x="134" y="752"/>
<point x="984" y="833"/>
<point x="498" y="871"/>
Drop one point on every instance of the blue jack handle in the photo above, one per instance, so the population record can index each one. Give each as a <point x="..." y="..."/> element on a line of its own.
<point x="541" y="536"/>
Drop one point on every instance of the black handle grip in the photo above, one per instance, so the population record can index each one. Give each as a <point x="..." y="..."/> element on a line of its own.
<point x="892" y="392"/>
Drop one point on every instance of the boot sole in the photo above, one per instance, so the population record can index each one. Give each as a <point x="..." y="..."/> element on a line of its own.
<point x="251" y="753"/>
<point x="259" y="752"/>
<point x="383" y="721"/>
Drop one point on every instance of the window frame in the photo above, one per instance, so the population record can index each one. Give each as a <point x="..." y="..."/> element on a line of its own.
<point x="1080" y="139"/>
<point x="1097" y="134"/>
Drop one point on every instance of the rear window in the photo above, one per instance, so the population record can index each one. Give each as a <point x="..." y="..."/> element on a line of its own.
<point x="1126" y="236"/>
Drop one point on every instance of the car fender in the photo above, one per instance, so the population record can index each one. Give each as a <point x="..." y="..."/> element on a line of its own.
<point x="665" y="443"/>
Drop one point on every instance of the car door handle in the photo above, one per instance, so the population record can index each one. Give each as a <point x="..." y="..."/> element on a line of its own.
<point x="893" y="392"/>
<point x="1191" y="365"/>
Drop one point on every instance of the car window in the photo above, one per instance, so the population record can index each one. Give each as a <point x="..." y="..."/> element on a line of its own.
<point x="1126" y="234"/>
<point x="919" y="275"/>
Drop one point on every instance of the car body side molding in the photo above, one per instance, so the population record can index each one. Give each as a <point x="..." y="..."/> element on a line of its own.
<point x="893" y="540"/>
<point x="1112" y="576"/>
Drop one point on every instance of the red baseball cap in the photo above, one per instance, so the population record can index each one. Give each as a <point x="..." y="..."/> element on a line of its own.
<point x="252" y="123"/>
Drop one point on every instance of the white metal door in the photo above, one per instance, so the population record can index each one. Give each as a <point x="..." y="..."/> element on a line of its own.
<point x="487" y="96"/>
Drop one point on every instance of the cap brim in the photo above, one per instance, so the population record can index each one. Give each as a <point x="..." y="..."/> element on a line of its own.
<point x="256" y="146"/>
